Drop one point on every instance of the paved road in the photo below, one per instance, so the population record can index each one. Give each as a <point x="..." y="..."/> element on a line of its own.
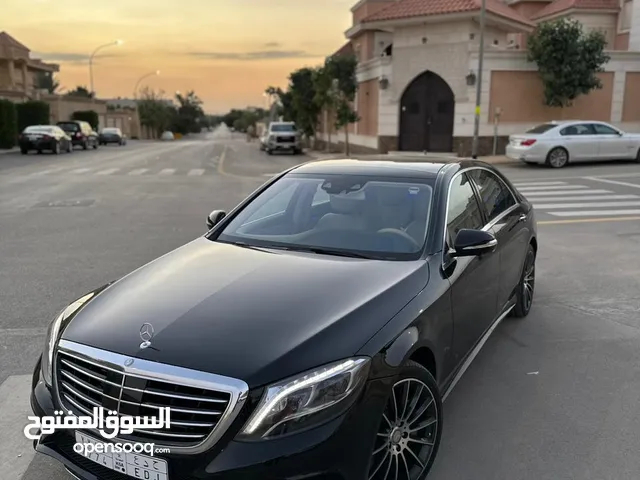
<point x="552" y="397"/>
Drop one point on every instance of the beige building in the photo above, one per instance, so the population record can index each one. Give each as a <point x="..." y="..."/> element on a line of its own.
<point x="418" y="62"/>
<point x="18" y="83"/>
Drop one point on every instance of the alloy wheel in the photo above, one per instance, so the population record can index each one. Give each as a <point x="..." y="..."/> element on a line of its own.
<point x="558" y="158"/>
<point x="406" y="439"/>
<point x="528" y="281"/>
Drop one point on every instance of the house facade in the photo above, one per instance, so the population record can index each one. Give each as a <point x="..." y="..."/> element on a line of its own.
<point x="418" y="62"/>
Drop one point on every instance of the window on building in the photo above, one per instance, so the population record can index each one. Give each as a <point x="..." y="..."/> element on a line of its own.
<point x="625" y="15"/>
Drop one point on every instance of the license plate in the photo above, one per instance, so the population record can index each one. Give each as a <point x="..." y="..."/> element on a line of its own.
<point x="135" y="465"/>
<point x="33" y="137"/>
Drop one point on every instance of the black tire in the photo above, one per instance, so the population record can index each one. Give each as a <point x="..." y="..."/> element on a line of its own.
<point x="95" y="145"/>
<point x="526" y="286"/>
<point x="56" y="148"/>
<point x="558" y="157"/>
<point x="69" y="147"/>
<point x="84" y="145"/>
<point x="638" y="156"/>
<point x="24" y="151"/>
<point x="270" y="152"/>
<point x="394" y="439"/>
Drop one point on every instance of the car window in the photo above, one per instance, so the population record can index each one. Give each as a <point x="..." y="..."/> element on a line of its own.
<point x="376" y="216"/>
<point x="277" y="203"/>
<point x="463" y="210"/>
<point x="69" y="127"/>
<point x="37" y="130"/>
<point x="545" y="127"/>
<point x="579" y="129"/>
<point x="283" y="128"/>
<point x="495" y="195"/>
<point x="604" y="129"/>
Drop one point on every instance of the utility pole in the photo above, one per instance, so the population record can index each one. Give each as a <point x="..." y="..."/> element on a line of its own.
<point x="476" y="123"/>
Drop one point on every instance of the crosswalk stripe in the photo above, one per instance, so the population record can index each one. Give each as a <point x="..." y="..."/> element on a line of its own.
<point x="138" y="171"/>
<point x="587" y="205"/>
<point x="196" y="171"/>
<point x="16" y="451"/>
<point x="595" y="213"/>
<point x="552" y="187"/>
<point x="167" y="171"/>
<point x="47" y="172"/>
<point x="567" y="192"/>
<point x="536" y="184"/>
<point x="80" y="170"/>
<point x="581" y="198"/>
<point x="108" y="171"/>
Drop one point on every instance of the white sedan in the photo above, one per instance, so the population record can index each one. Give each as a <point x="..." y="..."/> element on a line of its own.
<point x="557" y="143"/>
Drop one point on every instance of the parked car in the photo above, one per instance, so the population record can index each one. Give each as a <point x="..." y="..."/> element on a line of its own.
<point x="81" y="133"/>
<point x="112" y="135"/>
<point x="389" y="279"/>
<point x="167" y="136"/>
<point x="556" y="144"/>
<point x="281" y="136"/>
<point x="44" y="137"/>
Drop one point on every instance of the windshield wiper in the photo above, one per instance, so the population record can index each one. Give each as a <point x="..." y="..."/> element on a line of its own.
<point x="324" y="251"/>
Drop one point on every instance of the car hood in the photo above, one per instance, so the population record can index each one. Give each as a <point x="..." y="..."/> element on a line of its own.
<point x="249" y="314"/>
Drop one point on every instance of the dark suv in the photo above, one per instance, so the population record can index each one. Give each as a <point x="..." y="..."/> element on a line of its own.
<point x="81" y="133"/>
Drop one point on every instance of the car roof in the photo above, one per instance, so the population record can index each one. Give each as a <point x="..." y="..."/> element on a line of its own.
<point x="392" y="168"/>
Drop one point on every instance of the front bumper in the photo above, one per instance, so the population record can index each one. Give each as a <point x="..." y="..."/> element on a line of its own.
<point x="337" y="450"/>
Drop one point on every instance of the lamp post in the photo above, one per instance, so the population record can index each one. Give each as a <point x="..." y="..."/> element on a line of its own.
<point x="135" y="90"/>
<point x="115" y="43"/>
<point x="476" y="123"/>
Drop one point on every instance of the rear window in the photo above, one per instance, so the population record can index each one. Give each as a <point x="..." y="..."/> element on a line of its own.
<point x="283" y="128"/>
<point x="38" y="130"/>
<point x="69" y="127"/>
<point x="545" y="127"/>
<point x="110" y="130"/>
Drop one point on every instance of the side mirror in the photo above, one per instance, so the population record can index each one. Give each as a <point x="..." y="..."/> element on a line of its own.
<point x="469" y="243"/>
<point x="215" y="217"/>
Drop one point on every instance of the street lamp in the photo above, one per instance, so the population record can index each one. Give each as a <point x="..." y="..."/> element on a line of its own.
<point x="111" y="44"/>
<point x="135" y="90"/>
<point x="476" y="123"/>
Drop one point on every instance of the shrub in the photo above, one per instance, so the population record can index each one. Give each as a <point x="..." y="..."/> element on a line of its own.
<point x="8" y="124"/>
<point x="32" y="113"/>
<point x="89" y="116"/>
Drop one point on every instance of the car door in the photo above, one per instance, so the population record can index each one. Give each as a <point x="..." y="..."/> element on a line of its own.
<point x="581" y="142"/>
<point x="612" y="143"/>
<point x="507" y="218"/>
<point x="474" y="280"/>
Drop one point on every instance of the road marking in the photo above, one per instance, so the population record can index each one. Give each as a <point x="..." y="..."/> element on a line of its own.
<point x="167" y="171"/>
<point x="552" y="187"/>
<point x="580" y="198"/>
<point x="108" y="171"/>
<point x="594" y="213"/>
<point x="588" y="220"/>
<point x="576" y="177"/>
<point x="196" y="171"/>
<point x="46" y="172"/>
<point x="80" y="170"/>
<point x="536" y="184"/>
<point x="568" y="192"/>
<point x="586" y="205"/>
<point x="221" y="170"/>
<point x="16" y="451"/>
<point x="614" y="182"/>
<point x="138" y="171"/>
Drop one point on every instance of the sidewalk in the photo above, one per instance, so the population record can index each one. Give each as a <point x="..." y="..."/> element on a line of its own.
<point x="11" y="150"/>
<point x="495" y="160"/>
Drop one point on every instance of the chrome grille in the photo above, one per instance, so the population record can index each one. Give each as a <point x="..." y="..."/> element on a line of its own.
<point x="85" y="382"/>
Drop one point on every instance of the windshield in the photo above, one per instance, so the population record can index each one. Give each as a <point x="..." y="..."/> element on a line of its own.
<point x="110" y="130"/>
<point x="376" y="217"/>
<point x="69" y="127"/>
<point x="287" y="127"/>
<point x="38" y="130"/>
<point x="542" y="128"/>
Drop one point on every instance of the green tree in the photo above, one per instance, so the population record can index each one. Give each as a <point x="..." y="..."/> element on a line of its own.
<point x="80" y="91"/>
<point x="32" y="113"/>
<point x="303" y="98"/>
<point x="568" y="60"/>
<point x="155" y="111"/>
<point x="47" y="81"/>
<point x="8" y="124"/>
<point x="190" y="113"/>
<point x="89" y="116"/>
<point x="338" y="87"/>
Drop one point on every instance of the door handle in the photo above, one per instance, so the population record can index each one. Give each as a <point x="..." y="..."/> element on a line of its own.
<point x="522" y="217"/>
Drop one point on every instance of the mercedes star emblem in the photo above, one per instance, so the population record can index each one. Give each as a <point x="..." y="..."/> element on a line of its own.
<point x="128" y="362"/>
<point x="146" y="334"/>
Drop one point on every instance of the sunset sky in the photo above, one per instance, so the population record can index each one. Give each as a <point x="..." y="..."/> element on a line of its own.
<point x="228" y="51"/>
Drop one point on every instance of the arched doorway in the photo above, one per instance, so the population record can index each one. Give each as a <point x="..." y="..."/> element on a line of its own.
<point x="427" y="109"/>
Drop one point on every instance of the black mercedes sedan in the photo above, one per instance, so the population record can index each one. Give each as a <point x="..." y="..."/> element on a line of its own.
<point x="44" y="138"/>
<point x="112" y="135"/>
<point x="312" y="332"/>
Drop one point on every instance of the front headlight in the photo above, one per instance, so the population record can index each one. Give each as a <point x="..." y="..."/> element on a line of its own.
<point x="53" y="335"/>
<point x="307" y="399"/>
